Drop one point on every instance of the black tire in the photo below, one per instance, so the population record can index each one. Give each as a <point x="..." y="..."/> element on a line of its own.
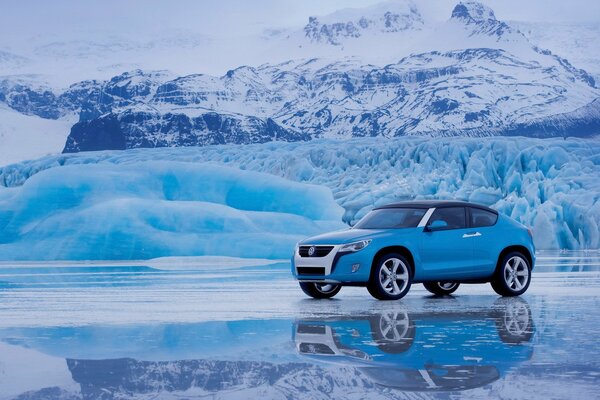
<point x="514" y="321"/>
<point x="393" y="332"/>
<point x="320" y="290"/>
<point x="400" y="277"/>
<point x="512" y="276"/>
<point x="441" y="288"/>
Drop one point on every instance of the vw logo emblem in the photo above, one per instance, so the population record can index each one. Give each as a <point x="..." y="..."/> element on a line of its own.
<point x="311" y="251"/>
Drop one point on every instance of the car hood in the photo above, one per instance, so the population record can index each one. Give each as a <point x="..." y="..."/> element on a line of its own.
<point x="347" y="236"/>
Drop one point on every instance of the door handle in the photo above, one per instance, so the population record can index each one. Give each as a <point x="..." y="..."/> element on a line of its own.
<point x="468" y="235"/>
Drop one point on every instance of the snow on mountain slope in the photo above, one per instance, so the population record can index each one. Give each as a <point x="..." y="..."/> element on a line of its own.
<point x="10" y="60"/>
<point x="61" y="60"/>
<point x="379" y="34"/>
<point x="42" y="371"/>
<point x="391" y="16"/>
<point x="155" y="209"/>
<point x="470" y="25"/>
<point x="576" y="42"/>
<point x="551" y="185"/>
<point x="24" y="137"/>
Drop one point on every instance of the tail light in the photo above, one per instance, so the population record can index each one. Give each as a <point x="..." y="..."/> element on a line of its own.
<point x="530" y="231"/>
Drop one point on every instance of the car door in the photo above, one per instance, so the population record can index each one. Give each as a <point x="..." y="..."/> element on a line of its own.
<point x="447" y="252"/>
<point x="481" y="231"/>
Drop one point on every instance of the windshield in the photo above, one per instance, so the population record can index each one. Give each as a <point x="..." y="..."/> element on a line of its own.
<point x="391" y="218"/>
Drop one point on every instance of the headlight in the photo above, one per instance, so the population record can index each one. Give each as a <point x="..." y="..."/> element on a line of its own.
<point x="356" y="246"/>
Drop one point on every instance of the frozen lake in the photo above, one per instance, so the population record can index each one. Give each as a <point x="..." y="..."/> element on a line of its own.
<point x="160" y="330"/>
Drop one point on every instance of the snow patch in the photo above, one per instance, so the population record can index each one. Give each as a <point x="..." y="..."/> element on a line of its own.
<point x="24" y="137"/>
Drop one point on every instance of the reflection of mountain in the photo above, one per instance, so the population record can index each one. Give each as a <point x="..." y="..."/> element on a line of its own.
<point x="129" y="379"/>
<point x="105" y="378"/>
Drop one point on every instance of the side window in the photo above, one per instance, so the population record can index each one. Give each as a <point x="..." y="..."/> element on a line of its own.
<point x="480" y="218"/>
<point x="455" y="217"/>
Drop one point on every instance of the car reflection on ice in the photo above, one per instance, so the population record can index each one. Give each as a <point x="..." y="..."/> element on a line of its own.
<point x="424" y="351"/>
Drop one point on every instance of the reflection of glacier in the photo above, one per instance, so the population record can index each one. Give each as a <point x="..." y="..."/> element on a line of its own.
<point x="551" y="185"/>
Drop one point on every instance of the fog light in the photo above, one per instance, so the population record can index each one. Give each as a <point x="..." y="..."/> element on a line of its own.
<point x="355" y="267"/>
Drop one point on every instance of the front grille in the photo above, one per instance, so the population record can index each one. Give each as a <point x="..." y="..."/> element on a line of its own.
<point x="320" y="251"/>
<point x="315" y="348"/>
<point x="311" y="270"/>
<point x="313" y="329"/>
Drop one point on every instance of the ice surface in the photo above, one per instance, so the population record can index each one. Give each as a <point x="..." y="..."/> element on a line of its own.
<point x="151" y="209"/>
<point x="131" y="333"/>
<point x="552" y="185"/>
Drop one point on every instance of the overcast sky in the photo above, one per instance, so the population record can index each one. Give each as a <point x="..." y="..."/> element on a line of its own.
<point x="234" y="17"/>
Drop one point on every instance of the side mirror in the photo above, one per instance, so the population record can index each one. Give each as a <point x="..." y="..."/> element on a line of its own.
<point x="436" y="225"/>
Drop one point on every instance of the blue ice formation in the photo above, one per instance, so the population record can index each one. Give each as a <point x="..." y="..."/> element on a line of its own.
<point x="143" y="208"/>
<point x="150" y="209"/>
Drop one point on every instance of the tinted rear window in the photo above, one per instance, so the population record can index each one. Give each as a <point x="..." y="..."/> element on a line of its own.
<point x="481" y="218"/>
<point x="454" y="216"/>
<point x="391" y="218"/>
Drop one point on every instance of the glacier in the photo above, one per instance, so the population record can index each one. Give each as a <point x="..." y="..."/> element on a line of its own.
<point x="257" y="200"/>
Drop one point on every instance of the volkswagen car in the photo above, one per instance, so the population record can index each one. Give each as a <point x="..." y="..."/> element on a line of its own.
<point x="440" y="244"/>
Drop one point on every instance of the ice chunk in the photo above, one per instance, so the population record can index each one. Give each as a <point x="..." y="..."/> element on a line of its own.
<point x="152" y="209"/>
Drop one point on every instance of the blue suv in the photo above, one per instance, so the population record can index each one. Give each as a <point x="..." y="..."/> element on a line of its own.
<point x="438" y="243"/>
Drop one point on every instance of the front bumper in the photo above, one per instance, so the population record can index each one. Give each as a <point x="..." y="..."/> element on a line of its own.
<point x="336" y="267"/>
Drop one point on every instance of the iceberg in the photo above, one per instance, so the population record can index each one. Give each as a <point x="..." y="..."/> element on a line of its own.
<point x="150" y="209"/>
<point x="257" y="200"/>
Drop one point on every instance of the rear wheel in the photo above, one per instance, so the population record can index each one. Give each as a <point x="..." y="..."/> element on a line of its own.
<point x="391" y="277"/>
<point x="514" y="321"/>
<point x="513" y="275"/>
<point x="320" y="290"/>
<point x="441" y="288"/>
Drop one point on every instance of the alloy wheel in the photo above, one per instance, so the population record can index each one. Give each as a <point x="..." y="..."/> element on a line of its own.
<point x="447" y="285"/>
<point x="394" y="276"/>
<point x="325" y="287"/>
<point x="516" y="318"/>
<point x="394" y="326"/>
<point x="516" y="273"/>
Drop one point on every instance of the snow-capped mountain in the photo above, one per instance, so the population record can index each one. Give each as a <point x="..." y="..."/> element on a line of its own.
<point x="484" y="78"/>
<point x="576" y="42"/>
<point x="354" y="23"/>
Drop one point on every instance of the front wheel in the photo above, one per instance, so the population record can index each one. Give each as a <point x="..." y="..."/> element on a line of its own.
<point x="441" y="288"/>
<point x="320" y="290"/>
<point x="392" y="331"/>
<point x="513" y="275"/>
<point x="391" y="277"/>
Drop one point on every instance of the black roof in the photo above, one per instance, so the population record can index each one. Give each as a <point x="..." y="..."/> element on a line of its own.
<point x="436" y="204"/>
